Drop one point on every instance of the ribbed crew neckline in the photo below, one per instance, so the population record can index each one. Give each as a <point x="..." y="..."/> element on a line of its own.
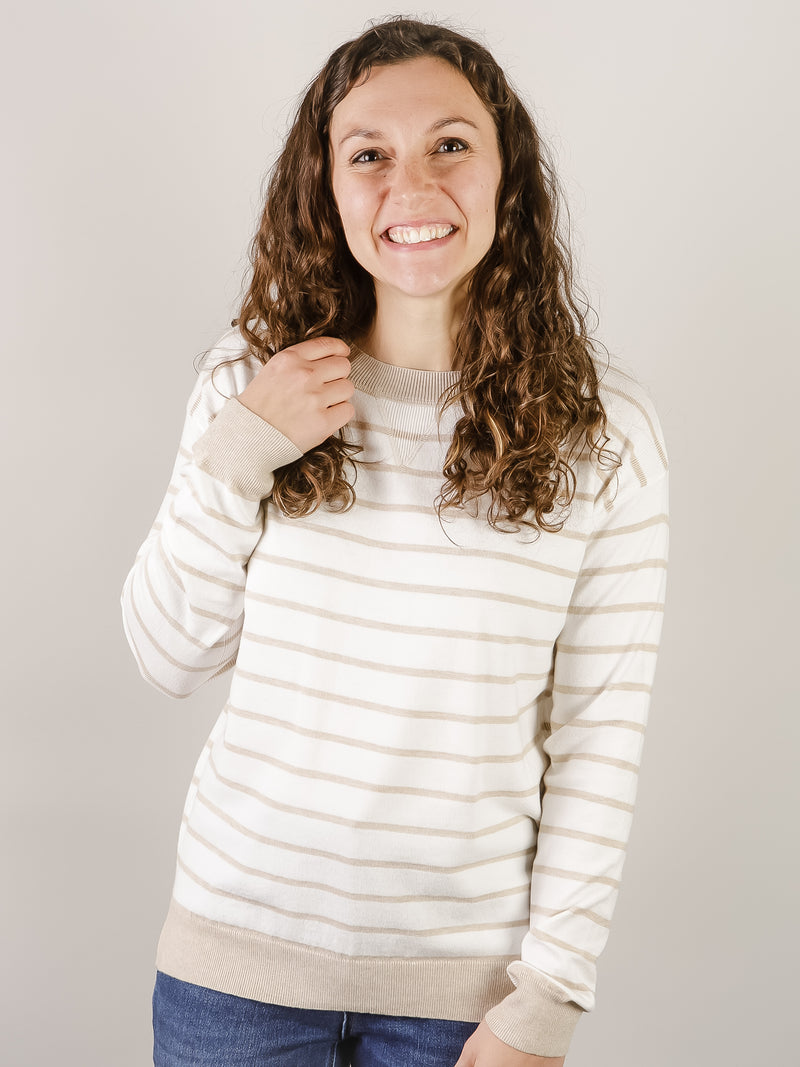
<point x="407" y="384"/>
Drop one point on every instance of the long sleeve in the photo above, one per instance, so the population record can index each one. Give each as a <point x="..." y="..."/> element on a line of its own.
<point x="602" y="677"/>
<point x="182" y="601"/>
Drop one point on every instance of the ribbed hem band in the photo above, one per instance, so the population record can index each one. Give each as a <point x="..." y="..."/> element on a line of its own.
<point x="245" y="963"/>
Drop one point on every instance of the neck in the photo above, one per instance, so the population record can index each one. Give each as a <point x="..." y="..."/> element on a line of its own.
<point x="419" y="333"/>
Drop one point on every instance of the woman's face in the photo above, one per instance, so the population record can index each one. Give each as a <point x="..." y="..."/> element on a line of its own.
<point x="416" y="171"/>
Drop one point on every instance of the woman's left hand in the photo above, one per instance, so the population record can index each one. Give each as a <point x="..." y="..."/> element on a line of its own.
<point x="483" y="1049"/>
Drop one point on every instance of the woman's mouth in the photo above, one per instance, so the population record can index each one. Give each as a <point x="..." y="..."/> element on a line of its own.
<point x="416" y="235"/>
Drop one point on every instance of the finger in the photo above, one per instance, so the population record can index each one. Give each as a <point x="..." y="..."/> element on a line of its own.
<point x="339" y="415"/>
<point x="337" y="391"/>
<point x="332" y="368"/>
<point x="467" y="1057"/>
<point x="319" y="347"/>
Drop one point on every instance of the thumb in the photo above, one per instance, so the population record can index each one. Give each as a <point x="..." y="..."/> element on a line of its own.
<point x="467" y="1058"/>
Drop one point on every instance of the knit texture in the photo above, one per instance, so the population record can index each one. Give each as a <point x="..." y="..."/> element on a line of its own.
<point x="417" y="798"/>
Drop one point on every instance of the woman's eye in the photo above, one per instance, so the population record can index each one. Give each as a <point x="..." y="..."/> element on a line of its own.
<point x="452" y="145"/>
<point x="369" y="155"/>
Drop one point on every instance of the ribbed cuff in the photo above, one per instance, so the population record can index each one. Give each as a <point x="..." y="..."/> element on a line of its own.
<point x="537" y="1018"/>
<point x="241" y="450"/>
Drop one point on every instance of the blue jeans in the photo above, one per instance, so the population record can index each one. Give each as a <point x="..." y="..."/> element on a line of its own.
<point x="198" y="1027"/>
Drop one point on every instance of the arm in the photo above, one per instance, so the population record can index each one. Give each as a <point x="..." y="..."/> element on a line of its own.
<point x="183" y="599"/>
<point x="603" y="671"/>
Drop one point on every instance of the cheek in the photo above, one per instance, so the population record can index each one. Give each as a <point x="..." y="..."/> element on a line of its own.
<point x="479" y="196"/>
<point x="485" y="207"/>
<point x="355" y="211"/>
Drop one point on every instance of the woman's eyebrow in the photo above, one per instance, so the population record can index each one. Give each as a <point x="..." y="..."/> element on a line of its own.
<point x="369" y="135"/>
<point x="378" y="134"/>
<point x="454" y="120"/>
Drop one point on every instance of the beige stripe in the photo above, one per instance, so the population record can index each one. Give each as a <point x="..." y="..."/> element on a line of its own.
<point x="350" y="742"/>
<point x="401" y="509"/>
<point x="570" y="535"/>
<point x="225" y="667"/>
<point x="390" y="468"/>
<point x="336" y="857"/>
<point x="212" y="513"/>
<point x="182" y="565"/>
<point x="185" y="667"/>
<point x="624" y="568"/>
<point x="151" y="678"/>
<point x="356" y="783"/>
<point x="174" y="622"/>
<point x="237" y="557"/>
<point x="620" y="531"/>
<point x="383" y="467"/>
<point x="593" y="757"/>
<point x="584" y="913"/>
<point x="442" y="931"/>
<point x="587" y="724"/>
<point x="184" y="453"/>
<point x="447" y="516"/>
<point x="646" y="415"/>
<point x="629" y="450"/>
<point x="320" y="887"/>
<point x="169" y="568"/>
<point x="406" y="435"/>
<point x="540" y="935"/>
<point x="398" y="628"/>
<point x="581" y="835"/>
<point x="196" y="403"/>
<point x="395" y="669"/>
<point x="575" y="876"/>
<point x="386" y="709"/>
<point x="615" y="609"/>
<point x="599" y="650"/>
<point x="598" y="690"/>
<point x="591" y="798"/>
<point x="431" y="550"/>
<point x="178" y="581"/>
<point x="216" y="617"/>
<point x="603" y="494"/>
<point x="408" y="587"/>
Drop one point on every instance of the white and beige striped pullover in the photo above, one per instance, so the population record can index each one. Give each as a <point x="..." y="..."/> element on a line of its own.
<point x="417" y="797"/>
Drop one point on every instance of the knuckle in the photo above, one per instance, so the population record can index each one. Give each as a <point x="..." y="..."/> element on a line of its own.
<point x="281" y="360"/>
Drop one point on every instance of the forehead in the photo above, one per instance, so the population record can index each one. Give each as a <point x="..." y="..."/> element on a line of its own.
<point x="409" y="93"/>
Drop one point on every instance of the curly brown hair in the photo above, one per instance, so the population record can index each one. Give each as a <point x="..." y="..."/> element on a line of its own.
<point x="528" y="383"/>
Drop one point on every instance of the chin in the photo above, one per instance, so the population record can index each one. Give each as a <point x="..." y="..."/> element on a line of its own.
<point x="425" y="287"/>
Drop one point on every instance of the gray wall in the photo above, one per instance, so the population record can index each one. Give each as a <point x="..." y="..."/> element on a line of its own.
<point x="140" y="135"/>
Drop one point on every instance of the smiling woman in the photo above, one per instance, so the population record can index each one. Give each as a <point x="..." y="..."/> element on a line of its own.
<point x="404" y="838"/>
<point x="416" y="190"/>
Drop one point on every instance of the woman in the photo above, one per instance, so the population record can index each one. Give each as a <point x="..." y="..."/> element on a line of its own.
<point x="403" y="840"/>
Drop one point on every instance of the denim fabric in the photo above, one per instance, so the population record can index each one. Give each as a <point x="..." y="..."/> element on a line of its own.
<point x="198" y="1027"/>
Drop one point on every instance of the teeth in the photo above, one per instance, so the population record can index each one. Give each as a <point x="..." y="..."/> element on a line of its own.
<point x="410" y="235"/>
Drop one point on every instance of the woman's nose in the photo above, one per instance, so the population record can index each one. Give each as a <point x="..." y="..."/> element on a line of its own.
<point x="411" y="180"/>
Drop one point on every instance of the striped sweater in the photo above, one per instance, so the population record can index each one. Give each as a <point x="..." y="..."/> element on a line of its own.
<point x="417" y="797"/>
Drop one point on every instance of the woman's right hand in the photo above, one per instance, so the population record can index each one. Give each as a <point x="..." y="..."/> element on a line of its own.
<point x="304" y="391"/>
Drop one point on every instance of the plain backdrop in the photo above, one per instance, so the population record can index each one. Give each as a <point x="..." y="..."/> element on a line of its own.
<point x="136" y="138"/>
